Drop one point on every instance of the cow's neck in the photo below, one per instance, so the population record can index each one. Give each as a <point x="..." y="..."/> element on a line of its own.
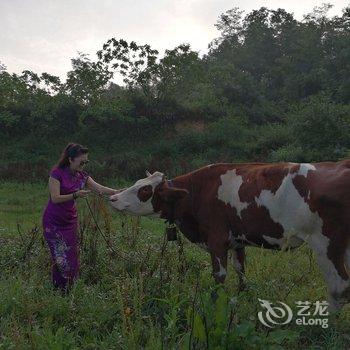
<point x="184" y="210"/>
<point x="187" y="204"/>
<point x="185" y="182"/>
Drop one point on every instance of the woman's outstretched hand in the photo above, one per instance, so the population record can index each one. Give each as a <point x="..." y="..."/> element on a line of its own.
<point x="82" y="193"/>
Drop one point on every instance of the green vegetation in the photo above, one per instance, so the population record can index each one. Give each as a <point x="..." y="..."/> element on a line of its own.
<point x="141" y="292"/>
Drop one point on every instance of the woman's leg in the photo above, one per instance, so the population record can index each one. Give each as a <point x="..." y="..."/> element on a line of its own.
<point x="63" y="246"/>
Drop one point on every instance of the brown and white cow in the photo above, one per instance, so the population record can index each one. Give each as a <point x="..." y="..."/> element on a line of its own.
<point x="230" y="206"/>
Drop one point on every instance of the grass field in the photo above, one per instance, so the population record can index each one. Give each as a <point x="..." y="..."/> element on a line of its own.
<point x="140" y="291"/>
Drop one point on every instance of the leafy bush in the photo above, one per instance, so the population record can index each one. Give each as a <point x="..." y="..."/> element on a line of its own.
<point x="321" y="128"/>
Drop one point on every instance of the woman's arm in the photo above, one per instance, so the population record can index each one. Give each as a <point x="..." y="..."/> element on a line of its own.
<point x="57" y="197"/>
<point x="96" y="187"/>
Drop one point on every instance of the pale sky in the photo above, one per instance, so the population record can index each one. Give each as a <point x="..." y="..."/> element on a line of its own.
<point x="43" y="35"/>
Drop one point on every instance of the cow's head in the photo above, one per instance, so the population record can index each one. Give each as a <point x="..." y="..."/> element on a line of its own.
<point x="149" y="196"/>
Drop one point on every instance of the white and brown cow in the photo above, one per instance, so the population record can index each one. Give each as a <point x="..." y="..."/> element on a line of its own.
<point x="230" y="206"/>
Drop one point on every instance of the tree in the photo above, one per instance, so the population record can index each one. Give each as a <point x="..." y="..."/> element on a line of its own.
<point x="87" y="80"/>
<point x="134" y="62"/>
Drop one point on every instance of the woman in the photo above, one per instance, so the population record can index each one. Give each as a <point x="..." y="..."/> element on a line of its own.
<point x="60" y="221"/>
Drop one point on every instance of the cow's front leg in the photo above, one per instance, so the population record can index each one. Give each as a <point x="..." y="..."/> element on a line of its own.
<point x="238" y="260"/>
<point x="219" y="263"/>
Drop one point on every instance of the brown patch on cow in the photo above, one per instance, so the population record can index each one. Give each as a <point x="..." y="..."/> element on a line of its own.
<point x="334" y="227"/>
<point x="190" y="228"/>
<point x="156" y="199"/>
<point x="255" y="222"/>
<point x="145" y="193"/>
<point x="261" y="177"/>
<point x="294" y="168"/>
<point x="300" y="183"/>
<point x="165" y="198"/>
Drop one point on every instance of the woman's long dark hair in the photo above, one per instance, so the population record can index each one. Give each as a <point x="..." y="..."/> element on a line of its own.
<point x="72" y="150"/>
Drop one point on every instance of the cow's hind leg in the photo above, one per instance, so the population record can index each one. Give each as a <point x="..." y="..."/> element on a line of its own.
<point x="346" y="293"/>
<point x="331" y="259"/>
<point x="238" y="260"/>
<point x="347" y="260"/>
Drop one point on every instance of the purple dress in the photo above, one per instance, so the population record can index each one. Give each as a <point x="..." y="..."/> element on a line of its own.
<point x="60" y="223"/>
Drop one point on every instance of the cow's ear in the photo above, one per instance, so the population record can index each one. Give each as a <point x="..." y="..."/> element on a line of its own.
<point x="148" y="173"/>
<point x="173" y="194"/>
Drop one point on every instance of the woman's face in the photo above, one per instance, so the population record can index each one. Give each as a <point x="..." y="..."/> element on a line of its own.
<point x="78" y="163"/>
